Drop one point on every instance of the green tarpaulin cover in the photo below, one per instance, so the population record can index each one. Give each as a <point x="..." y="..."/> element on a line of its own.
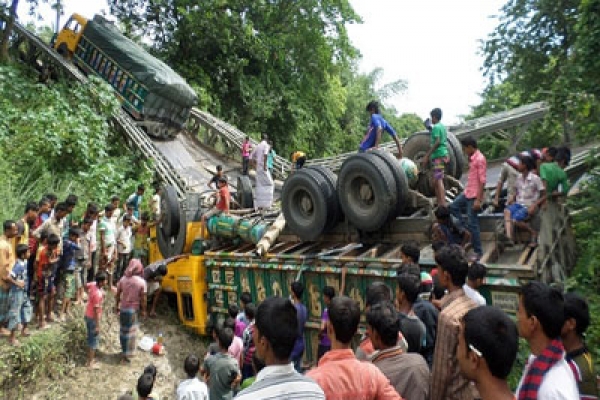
<point x="170" y="98"/>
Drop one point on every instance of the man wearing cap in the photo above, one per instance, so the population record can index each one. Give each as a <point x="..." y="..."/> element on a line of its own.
<point x="222" y="204"/>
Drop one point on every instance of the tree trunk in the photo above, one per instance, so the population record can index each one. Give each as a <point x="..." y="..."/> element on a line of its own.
<point x="8" y="26"/>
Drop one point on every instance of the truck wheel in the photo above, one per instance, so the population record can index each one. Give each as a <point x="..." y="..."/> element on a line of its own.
<point x="417" y="145"/>
<point x="169" y="211"/>
<point x="458" y="155"/>
<point x="305" y="204"/>
<point x="244" y="192"/>
<point x="334" y="211"/>
<point x="173" y="245"/>
<point x="399" y="177"/>
<point x="367" y="191"/>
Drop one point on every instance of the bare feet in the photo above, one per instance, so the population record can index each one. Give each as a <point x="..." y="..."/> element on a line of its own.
<point x="4" y="332"/>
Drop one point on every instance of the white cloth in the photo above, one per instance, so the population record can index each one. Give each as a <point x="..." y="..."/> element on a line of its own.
<point x="279" y="382"/>
<point x="116" y="217"/>
<point x="264" y="182"/>
<point x="192" y="389"/>
<point x="155" y="205"/>
<point x="124" y="240"/>
<point x="474" y="295"/>
<point x="558" y="383"/>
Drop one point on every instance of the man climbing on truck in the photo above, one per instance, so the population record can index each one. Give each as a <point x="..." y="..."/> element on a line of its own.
<point x="222" y="204"/>
<point x="377" y="125"/>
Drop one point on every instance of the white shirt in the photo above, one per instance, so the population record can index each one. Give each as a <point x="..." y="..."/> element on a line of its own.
<point x="116" y="217"/>
<point x="259" y="153"/>
<point x="155" y="205"/>
<point x="192" y="389"/>
<point x="558" y="383"/>
<point x="279" y="382"/>
<point x="124" y="240"/>
<point x="474" y="295"/>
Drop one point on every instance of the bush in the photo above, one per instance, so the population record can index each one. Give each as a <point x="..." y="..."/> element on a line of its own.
<point x="57" y="138"/>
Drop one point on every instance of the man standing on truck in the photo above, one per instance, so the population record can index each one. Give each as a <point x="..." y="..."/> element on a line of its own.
<point x="377" y="125"/>
<point x="246" y="148"/>
<point x="264" y="182"/>
<point x="472" y="198"/>
<point x="437" y="153"/>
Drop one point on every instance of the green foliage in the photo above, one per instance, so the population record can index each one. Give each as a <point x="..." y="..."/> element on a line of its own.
<point x="586" y="276"/>
<point x="57" y="138"/>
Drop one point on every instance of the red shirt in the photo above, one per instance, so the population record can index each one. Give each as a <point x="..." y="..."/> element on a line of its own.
<point x="224" y="198"/>
<point x="44" y="260"/>
<point x="95" y="297"/>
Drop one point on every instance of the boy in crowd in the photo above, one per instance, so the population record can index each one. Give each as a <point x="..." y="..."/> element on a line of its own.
<point x="472" y="198"/>
<point x="324" y="341"/>
<point x="447" y="382"/>
<point x="215" y="179"/>
<point x="155" y="203"/>
<point x="376" y="293"/>
<point x="141" y="234"/>
<point x="135" y="200"/>
<point x="245" y="299"/>
<point x="144" y="387"/>
<point x="475" y="277"/>
<point x="377" y="124"/>
<point x="249" y="345"/>
<point x="437" y="153"/>
<point x="297" y="289"/>
<point x="413" y="330"/>
<point x="407" y="372"/>
<point x="19" y="307"/>
<point x="487" y="347"/>
<point x="116" y="216"/>
<point x="340" y="374"/>
<point x="80" y="271"/>
<point x="91" y="213"/>
<point x="556" y="182"/>
<point x="46" y="266"/>
<point x="222" y="204"/>
<point x="192" y="387"/>
<point x="444" y="230"/>
<point x="108" y="241"/>
<point x="123" y="246"/>
<point x="238" y="329"/>
<point x="93" y="315"/>
<point x="7" y="262"/>
<point x="246" y="149"/>
<point x="428" y="314"/>
<point x="410" y="255"/>
<point x="221" y="370"/>
<point x="236" y="350"/>
<point x="86" y="255"/>
<point x="577" y="320"/>
<point x="68" y="262"/>
<point x="540" y="318"/>
<point x="275" y="334"/>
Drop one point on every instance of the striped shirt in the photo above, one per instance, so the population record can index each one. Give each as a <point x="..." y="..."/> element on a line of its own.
<point x="276" y="382"/>
<point x="447" y="383"/>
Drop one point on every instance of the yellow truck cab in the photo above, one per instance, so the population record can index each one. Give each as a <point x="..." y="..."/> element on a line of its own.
<point x="69" y="36"/>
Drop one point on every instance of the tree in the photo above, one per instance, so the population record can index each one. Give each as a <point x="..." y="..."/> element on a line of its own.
<point x="8" y="23"/>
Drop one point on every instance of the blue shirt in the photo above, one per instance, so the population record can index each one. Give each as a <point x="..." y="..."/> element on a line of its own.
<point x="67" y="260"/>
<point x="19" y="273"/>
<point x="377" y="122"/>
<point x="302" y="316"/>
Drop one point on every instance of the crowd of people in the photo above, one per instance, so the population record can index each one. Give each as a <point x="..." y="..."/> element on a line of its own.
<point x="414" y="346"/>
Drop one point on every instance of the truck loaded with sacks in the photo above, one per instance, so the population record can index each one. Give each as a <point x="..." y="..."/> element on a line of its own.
<point x="343" y="227"/>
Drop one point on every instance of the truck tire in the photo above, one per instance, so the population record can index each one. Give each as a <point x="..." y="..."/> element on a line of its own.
<point x="401" y="182"/>
<point x="334" y="211"/>
<point x="305" y="204"/>
<point x="367" y="191"/>
<point x="244" y="192"/>
<point x="458" y="155"/>
<point x="169" y="211"/>
<point x="173" y="245"/>
<point x="417" y="145"/>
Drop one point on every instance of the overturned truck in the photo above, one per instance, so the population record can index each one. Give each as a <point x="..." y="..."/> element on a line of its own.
<point x="346" y="230"/>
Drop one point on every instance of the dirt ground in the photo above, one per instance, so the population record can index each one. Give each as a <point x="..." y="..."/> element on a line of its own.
<point x="114" y="379"/>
